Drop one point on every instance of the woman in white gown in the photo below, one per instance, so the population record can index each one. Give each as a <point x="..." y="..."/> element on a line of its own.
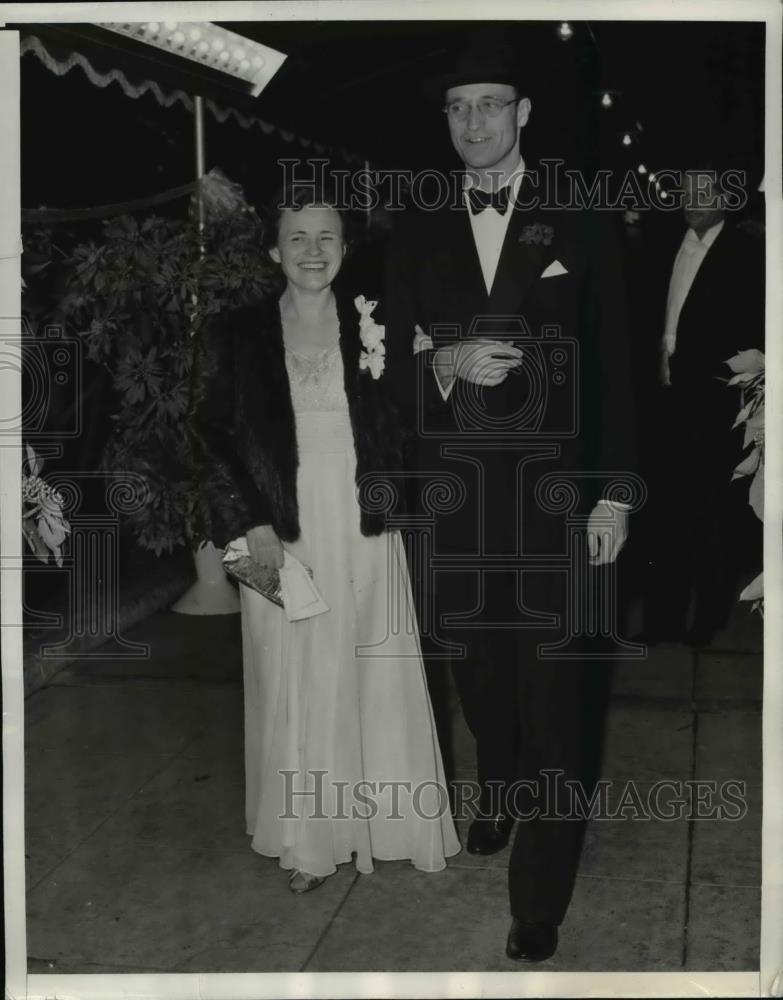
<point x="341" y="754"/>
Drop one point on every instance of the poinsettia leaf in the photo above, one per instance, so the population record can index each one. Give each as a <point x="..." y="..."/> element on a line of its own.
<point x="747" y="361"/>
<point x="756" y="493"/>
<point x="742" y="416"/>
<point x="754" y="590"/>
<point x="34" y="463"/>
<point x="754" y="432"/>
<point x="748" y="465"/>
<point x="51" y="532"/>
<point x="741" y="378"/>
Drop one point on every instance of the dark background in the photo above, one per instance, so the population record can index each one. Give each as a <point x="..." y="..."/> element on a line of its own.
<point x="357" y="85"/>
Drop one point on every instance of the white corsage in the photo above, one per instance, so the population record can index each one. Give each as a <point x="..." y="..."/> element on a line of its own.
<point x="371" y="335"/>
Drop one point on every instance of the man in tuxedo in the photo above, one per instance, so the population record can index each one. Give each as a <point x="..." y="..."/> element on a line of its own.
<point x="506" y="326"/>
<point x="710" y="288"/>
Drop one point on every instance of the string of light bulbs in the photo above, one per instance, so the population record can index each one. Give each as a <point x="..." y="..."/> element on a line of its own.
<point x="565" y="33"/>
<point x="208" y="44"/>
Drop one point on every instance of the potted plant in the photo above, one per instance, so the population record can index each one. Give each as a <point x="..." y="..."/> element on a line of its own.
<point x="137" y="297"/>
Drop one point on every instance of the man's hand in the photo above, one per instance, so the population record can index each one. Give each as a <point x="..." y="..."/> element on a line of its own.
<point x="264" y="546"/>
<point x="663" y="373"/>
<point x="607" y="531"/>
<point x="483" y="362"/>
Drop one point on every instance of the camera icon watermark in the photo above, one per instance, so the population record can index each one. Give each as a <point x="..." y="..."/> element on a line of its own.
<point x="538" y="399"/>
<point x="50" y="367"/>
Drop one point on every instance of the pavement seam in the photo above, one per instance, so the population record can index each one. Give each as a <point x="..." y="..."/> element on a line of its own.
<point x="329" y="923"/>
<point x="691" y="822"/>
<point x="31" y="888"/>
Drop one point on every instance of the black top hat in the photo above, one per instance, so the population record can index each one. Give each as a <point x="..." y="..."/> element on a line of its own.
<point x="486" y="56"/>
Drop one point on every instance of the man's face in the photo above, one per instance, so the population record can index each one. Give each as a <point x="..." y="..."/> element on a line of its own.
<point x="481" y="141"/>
<point x="701" y="202"/>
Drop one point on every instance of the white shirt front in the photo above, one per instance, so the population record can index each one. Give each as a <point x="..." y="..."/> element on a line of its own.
<point x="489" y="232"/>
<point x="489" y="226"/>
<point x="689" y="258"/>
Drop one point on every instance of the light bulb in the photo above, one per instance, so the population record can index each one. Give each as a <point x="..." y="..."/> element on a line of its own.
<point x="153" y="28"/>
<point x="223" y="56"/>
<point x="194" y="34"/>
<point x="653" y="180"/>
<point x="626" y="140"/>
<point x="244" y="66"/>
<point x="664" y="195"/>
<point x="565" y="31"/>
<point x="258" y="62"/>
<point x="202" y="47"/>
<point x="178" y="38"/>
<point x="606" y="100"/>
<point x="642" y="169"/>
<point x="170" y="25"/>
<point x="239" y="53"/>
<point x="218" y="44"/>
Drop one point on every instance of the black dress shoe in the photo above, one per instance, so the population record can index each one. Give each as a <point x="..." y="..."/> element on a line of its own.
<point x="488" y="836"/>
<point x="531" y="942"/>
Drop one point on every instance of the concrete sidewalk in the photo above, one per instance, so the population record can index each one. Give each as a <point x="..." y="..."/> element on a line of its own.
<point x="137" y="860"/>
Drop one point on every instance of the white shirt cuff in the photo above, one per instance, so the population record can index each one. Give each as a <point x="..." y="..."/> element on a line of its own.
<point x="616" y="505"/>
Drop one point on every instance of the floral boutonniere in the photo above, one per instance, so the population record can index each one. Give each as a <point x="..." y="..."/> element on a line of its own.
<point x="537" y="233"/>
<point x="371" y="334"/>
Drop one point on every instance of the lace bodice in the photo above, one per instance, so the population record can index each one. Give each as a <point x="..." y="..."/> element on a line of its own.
<point x="317" y="382"/>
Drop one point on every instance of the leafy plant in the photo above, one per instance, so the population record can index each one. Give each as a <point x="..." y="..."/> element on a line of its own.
<point x="137" y="297"/>
<point x="749" y="374"/>
<point x="43" y="525"/>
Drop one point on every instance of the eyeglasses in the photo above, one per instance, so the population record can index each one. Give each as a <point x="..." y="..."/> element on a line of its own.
<point x="489" y="107"/>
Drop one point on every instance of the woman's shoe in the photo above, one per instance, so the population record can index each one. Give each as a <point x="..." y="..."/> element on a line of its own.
<point x="300" y="882"/>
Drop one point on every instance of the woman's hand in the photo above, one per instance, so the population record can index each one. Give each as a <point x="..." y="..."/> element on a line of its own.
<point x="264" y="546"/>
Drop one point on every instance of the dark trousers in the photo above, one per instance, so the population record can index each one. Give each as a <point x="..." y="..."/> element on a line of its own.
<point x="535" y="720"/>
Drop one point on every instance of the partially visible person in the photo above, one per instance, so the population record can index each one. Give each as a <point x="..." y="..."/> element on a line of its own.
<point x="711" y="297"/>
<point x="291" y="418"/>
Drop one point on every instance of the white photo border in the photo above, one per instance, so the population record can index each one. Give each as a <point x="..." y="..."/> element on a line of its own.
<point x="768" y="981"/>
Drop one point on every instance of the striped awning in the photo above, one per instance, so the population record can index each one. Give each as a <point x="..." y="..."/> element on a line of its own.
<point x="60" y="59"/>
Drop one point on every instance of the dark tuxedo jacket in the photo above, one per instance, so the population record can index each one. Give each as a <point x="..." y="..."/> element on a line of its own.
<point x="722" y="314"/>
<point x="567" y="412"/>
<point x="242" y="430"/>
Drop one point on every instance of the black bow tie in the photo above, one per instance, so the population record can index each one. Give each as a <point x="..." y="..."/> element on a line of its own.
<point x="479" y="200"/>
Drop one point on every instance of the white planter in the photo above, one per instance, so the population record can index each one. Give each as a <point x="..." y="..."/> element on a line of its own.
<point x="211" y="594"/>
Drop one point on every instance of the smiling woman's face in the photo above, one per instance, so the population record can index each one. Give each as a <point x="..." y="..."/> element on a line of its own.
<point x="310" y="246"/>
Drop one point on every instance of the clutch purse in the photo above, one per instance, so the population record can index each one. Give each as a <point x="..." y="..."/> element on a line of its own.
<point x="262" y="579"/>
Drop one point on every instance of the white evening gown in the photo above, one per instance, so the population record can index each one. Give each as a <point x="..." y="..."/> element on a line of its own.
<point x="340" y="699"/>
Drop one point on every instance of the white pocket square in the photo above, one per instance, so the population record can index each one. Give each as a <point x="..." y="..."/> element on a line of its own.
<point x="554" y="269"/>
